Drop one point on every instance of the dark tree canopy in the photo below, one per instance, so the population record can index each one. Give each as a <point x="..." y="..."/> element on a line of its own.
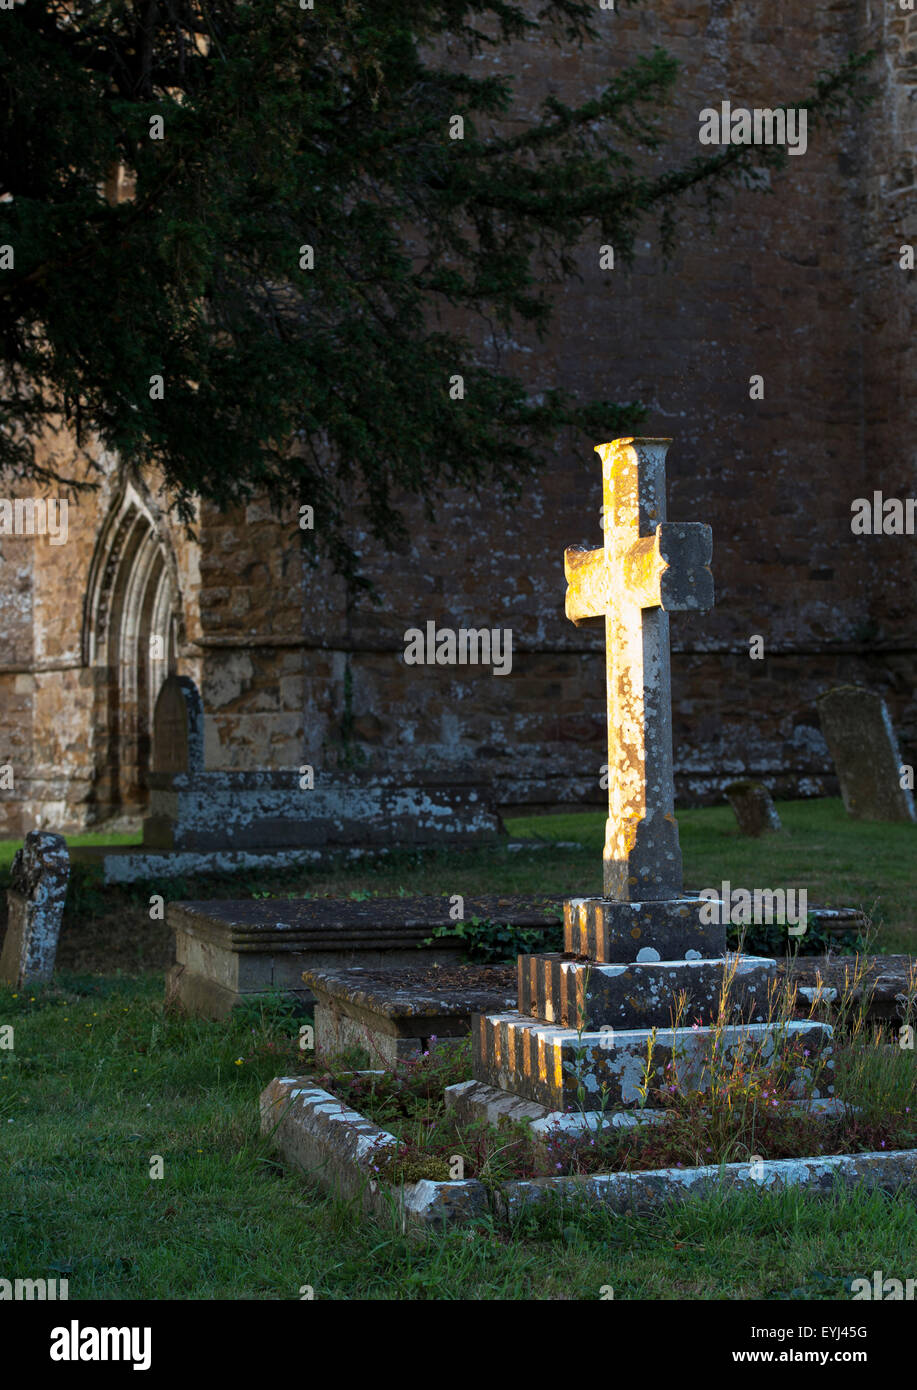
<point x="285" y="128"/>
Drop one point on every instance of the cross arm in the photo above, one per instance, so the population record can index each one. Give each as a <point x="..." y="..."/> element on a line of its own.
<point x="671" y="568"/>
<point x="588" y="586"/>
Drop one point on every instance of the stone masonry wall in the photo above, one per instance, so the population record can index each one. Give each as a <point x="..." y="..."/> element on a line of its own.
<point x="779" y="287"/>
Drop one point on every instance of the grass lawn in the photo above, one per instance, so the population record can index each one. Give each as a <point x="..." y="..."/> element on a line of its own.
<point x="100" y="1080"/>
<point x="839" y="861"/>
<point x="9" y="847"/>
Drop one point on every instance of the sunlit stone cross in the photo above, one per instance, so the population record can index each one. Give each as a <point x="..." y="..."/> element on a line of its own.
<point x="647" y="568"/>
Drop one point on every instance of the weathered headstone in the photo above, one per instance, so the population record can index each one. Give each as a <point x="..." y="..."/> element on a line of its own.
<point x="35" y="902"/>
<point x="178" y="728"/>
<point x="861" y="740"/>
<point x="586" y="1019"/>
<point x="753" y="807"/>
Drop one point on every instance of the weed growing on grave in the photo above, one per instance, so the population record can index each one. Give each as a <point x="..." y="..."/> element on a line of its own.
<point x="492" y="943"/>
<point x="411" y="1090"/>
<point x="270" y="1009"/>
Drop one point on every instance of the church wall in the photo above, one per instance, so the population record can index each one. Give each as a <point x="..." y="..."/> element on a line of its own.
<point x="54" y="707"/>
<point x="775" y="289"/>
<point x="889" y="308"/>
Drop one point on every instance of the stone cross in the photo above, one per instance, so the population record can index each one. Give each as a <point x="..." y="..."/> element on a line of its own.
<point x="647" y="568"/>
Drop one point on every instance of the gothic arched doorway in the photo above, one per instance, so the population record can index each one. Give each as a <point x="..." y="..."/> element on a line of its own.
<point x="130" y="643"/>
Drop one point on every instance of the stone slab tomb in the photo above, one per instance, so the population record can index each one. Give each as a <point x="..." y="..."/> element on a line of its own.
<point x="884" y="988"/>
<point x="230" y="952"/>
<point x="194" y="810"/>
<point x="643" y="956"/>
<point x="35" y="906"/>
<point x="399" y="1014"/>
<point x="859" y="734"/>
<point x="202" y="822"/>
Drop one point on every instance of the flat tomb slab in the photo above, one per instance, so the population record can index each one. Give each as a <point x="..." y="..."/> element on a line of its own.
<point x="396" y="1012"/>
<point x="408" y="996"/>
<point x="336" y="1146"/>
<point x="239" y="810"/>
<point x="539" y="1062"/>
<point x="292" y="922"/>
<point x="878" y="984"/>
<point x="230" y="950"/>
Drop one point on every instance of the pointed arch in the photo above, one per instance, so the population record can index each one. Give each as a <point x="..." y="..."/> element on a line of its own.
<point x="132" y="632"/>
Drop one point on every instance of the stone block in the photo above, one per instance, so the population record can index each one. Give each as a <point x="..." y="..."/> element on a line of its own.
<point x="538" y="1061"/>
<point x="477" y="1100"/>
<point x="336" y="1032"/>
<point x="620" y="932"/>
<point x="573" y="994"/>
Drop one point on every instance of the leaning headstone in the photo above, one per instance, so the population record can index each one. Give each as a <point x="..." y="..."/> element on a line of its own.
<point x="860" y="737"/>
<point x="753" y="807"/>
<point x="178" y="728"/>
<point x="605" y="1016"/>
<point x="38" y="887"/>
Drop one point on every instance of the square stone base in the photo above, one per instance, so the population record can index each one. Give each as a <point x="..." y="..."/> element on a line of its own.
<point x="602" y="929"/>
<point x="642" y="994"/>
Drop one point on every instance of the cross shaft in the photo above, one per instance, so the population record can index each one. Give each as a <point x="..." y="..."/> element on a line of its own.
<point x="646" y="568"/>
